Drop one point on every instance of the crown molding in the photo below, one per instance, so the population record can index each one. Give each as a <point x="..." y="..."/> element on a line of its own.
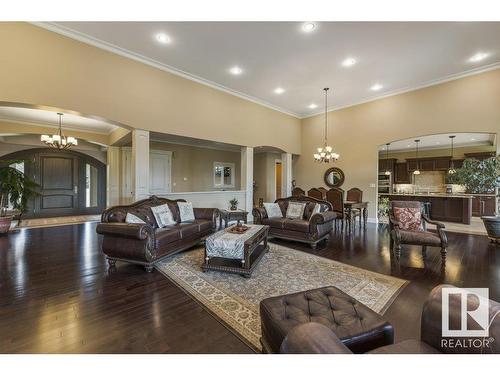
<point x="81" y="37"/>
<point x="435" y="82"/>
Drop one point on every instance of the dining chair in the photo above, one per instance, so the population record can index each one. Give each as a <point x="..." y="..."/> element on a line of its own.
<point x="355" y="195"/>
<point x="336" y="197"/>
<point x="315" y="193"/>
<point x="297" y="192"/>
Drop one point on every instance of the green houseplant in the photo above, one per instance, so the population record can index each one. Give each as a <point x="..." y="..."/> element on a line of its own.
<point x="234" y="204"/>
<point x="15" y="188"/>
<point x="482" y="176"/>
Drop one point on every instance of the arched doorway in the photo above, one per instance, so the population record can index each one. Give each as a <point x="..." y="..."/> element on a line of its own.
<point x="71" y="183"/>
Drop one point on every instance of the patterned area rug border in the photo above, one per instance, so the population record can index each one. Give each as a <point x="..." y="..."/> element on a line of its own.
<point x="241" y="315"/>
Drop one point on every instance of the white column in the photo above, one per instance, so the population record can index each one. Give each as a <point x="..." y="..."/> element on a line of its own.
<point x="113" y="176"/>
<point x="247" y="178"/>
<point x="286" y="174"/>
<point x="140" y="164"/>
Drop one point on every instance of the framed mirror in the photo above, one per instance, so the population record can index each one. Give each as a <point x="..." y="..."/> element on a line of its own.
<point x="334" y="177"/>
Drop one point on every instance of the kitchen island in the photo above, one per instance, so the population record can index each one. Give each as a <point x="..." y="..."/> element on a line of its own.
<point x="455" y="208"/>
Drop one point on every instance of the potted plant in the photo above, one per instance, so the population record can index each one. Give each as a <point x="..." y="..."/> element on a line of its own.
<point x="483" y="176"/>
<point x="15" y="188"/>
<point x="234" y="204"/>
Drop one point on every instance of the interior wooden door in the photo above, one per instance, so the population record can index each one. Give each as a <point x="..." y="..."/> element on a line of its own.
<point x="159" y="172"/>
<point x="59" y="184"/>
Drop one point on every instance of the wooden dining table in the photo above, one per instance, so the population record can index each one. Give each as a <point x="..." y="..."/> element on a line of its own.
<point x="353" y="205"/>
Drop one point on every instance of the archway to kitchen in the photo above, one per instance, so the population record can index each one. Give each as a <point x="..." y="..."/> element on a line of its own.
<point x="421" y="168"/>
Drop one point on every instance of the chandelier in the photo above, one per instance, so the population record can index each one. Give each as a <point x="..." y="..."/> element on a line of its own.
<point x="325" y="153"/>
<point x="59" y="140"/>
<point x="451" y="170"/>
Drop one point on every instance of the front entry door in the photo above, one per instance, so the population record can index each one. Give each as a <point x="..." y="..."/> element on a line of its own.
<point x="59" y="185"/>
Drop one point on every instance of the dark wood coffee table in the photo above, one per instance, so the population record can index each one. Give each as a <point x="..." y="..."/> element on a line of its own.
<point x="241" y="258"/>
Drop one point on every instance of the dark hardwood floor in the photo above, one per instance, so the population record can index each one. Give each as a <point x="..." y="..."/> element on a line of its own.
<point x="57" y="295"/>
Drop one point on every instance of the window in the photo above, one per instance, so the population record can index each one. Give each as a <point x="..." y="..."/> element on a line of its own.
<point x="223" y="175"/>
<point x="90" y="186"/>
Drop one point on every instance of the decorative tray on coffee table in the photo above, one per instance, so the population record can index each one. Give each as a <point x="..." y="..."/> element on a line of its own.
<point x="237" y="229"/>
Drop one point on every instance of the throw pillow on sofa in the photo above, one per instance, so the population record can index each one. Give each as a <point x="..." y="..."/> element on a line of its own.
<point x="295" y="210"/>
<point x="132" y="219"/>
<point x="163" y="215"/>
<point x="273" y="210"/>
<point x="186" y="211"/>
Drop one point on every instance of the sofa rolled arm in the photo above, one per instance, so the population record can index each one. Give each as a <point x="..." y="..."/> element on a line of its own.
<point x="259" y="213"/>
<point x="135" y="231"/>
<point x="312" y="338"/>
<point x="323" y="217"/>
<point x="207" y="214"/>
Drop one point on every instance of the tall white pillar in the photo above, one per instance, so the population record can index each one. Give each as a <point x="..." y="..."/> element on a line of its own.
<point x="140" y="164"/>
<point x="286" y="174"/>
<point x="247" y="178"/>
<point x="113" y="176"/>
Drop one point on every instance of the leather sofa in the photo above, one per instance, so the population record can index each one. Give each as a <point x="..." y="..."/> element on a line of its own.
<point x="359" y="328"/>
<point x="310" y="229"/>
<point x="146" y="244"/>
<point x="316" y="338"/>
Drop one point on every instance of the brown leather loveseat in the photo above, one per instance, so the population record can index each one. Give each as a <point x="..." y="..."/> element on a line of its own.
<point x="145" y="244"/>
<point x="311" y="229"/>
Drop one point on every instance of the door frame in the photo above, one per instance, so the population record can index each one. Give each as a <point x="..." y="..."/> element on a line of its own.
<point x="277" y="161"/>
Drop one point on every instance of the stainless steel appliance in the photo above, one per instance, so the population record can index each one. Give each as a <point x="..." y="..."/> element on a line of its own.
<point x="384" y="183"/>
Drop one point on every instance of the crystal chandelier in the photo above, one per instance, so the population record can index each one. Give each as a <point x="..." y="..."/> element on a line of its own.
<point x="325" y="153"/>
<point x="59" y="140"/>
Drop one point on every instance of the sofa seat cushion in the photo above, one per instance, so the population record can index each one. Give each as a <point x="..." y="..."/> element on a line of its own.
<point x="297" y="225"/>
<point x="358" y="327"/>
<point x="406" y="347"/>
<point x="203" y="225"/>
<point x="420" y="238"/>
<point x="164" y="236"/>
<point x="275" y="222"/>
<point x="187" y="229"/>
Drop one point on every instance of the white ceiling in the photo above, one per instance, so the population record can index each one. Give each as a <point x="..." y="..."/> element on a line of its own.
<point x="50" y="118"/>
<point x="437" y="141"/>
<point x="398" y="55"/>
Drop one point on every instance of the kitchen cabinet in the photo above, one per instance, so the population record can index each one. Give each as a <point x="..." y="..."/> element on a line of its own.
<point x="442" y="164"/>
<point x="483" y="206"/>
<point x="386" y="164"/>
<point x="401" y="174"/>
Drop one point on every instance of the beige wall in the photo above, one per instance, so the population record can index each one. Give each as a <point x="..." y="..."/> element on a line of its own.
<point x="44" y="68"/>
<point x="25" y="142"/>
<point x="195" y="164"/>
<point x="470" y="104"/>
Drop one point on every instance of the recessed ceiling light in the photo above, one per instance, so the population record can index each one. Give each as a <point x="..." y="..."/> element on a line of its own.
<point x="236" y="70"/>
<point x="279" y="90"/>
<point x="407" y="145"/>
<point x="350" y="61"/>
<point x="473" y="139"/>
<point x="162" y="38"/>
<point x="478" y="57"/>
<point x="376" y="87"/>
<point x="312" y="106"/>
<point x="307" y="27"/>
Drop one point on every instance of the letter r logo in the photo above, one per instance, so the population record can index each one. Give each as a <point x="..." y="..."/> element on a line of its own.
<point x="472" y="319"/>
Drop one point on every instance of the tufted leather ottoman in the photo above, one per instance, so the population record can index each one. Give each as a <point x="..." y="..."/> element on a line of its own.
<point x="358" y="327"/>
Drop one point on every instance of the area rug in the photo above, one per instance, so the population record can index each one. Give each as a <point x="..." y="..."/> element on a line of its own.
<point x="234" y="300"/>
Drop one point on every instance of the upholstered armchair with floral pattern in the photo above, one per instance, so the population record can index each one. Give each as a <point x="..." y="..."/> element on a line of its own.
<point x="407" y="225"/>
